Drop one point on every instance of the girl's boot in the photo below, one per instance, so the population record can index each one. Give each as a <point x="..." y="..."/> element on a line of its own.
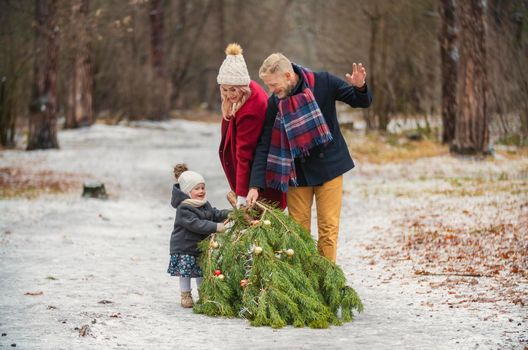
<point x="186" y="300"/>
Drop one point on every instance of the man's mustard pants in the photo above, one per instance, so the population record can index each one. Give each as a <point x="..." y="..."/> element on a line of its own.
<point x="328" y="202"/>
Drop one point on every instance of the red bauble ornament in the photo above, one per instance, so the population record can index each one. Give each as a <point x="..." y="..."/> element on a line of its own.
<point x="217" y="272"/>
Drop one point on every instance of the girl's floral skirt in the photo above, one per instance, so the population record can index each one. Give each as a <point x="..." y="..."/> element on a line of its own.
<point x="184" y="265"/>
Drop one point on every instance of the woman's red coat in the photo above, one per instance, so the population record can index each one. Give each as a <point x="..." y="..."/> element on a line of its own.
<point x="240" y="136"/>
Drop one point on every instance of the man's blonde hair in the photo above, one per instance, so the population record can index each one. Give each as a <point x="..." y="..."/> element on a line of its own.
<point x="276" y="62"/>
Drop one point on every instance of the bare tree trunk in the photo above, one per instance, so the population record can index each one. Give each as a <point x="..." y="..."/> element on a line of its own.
<point x="524" y="115"/>
<point x="79" y="102"/>
<point x="449" y="55"/>
<point x="519" y="25"/>
<point x="472" y="119"/>
<point x="185" y="52"/>
<point x="7" y="117"/>
<point x="161" y="84"/>
<point x="381" y="109"/>
<point x="373" y="67"/>
<point x="43" y="108"/>
<point x="212" y="95"/>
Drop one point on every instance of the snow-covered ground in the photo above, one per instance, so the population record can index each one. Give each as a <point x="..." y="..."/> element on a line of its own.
<point x="101" y="264"/>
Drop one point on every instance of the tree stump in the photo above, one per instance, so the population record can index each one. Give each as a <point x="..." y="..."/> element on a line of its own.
<point x="94" y="190"/>
<point x="414" y="136"/>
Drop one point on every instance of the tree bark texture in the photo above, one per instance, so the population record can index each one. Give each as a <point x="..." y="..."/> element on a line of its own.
<point x="183" y="53"/>
<point x="161" y="84"/>
<point x="212" y="95"/>
<point x="43" y="107"/>
<point x="7" y="117"/>
<point x="449" y="56"/>
<point x="472" y="119"/>
<point x="374" y="18"/>
<point x="381" y="109"/>
<point x="79" y="103"/>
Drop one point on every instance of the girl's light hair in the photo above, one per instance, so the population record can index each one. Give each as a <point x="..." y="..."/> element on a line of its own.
<point x="276" y="62"/>
<point x="229" y="109"/>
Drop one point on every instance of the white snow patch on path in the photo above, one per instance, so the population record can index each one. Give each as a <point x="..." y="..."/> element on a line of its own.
<point x="79" y="252"/>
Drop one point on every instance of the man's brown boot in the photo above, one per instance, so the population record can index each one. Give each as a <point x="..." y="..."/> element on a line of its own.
<point x="186" y="300"/>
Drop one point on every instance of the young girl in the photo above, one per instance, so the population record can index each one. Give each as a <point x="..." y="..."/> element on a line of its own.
<point x="195" y="220"/>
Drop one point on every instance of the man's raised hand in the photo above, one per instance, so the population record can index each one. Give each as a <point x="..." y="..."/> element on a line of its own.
<point x="358" y="76"/>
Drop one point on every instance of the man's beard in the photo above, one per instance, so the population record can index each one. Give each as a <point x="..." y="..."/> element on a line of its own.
<point x="291" y="86"/>
<point x="289" y="89"/>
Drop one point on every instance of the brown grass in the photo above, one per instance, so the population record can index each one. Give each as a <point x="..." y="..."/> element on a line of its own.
<point x="197" y="115"/>
<point x="378" y="149"/>
<point x="514" y="153"/>
<point x="481" y="187"/>
<point x="18" y="182"/>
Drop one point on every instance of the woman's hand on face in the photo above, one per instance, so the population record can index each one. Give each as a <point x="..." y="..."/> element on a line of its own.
<point x="252" y="196"/>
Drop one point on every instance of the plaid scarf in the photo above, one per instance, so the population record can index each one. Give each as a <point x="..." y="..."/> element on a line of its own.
<point x="299" y="127"/>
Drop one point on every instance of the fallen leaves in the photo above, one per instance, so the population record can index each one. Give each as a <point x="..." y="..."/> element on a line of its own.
<point x="34" y="293"/>
<point x="496" y="250"/>
<point x="518" y="301"/>
<point x="478" y="253"/>
<point x="84" y="330"/>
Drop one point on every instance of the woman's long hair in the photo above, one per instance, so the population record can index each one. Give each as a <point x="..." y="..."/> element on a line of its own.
<point x="229" y="109"/>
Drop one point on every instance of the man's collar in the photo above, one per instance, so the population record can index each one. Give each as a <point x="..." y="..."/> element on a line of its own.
<point x="297" y="88"/>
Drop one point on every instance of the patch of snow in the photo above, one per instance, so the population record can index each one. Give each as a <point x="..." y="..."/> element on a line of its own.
<point x="79" y="252"/>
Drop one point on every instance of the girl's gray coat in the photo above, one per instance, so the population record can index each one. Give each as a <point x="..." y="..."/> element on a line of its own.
<point x="192" y="224"/>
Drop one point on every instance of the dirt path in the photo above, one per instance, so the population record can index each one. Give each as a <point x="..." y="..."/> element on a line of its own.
<point x="99" y="266"/>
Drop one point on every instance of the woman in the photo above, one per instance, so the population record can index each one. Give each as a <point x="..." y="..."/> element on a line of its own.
<point x="244" y="105"/>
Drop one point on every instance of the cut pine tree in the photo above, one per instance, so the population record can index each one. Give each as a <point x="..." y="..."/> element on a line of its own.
<point x="269" y="271"/>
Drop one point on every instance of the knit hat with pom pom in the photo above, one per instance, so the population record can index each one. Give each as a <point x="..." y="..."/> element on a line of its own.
<point x="187" y="179"/>
<point x="233" y="70"/>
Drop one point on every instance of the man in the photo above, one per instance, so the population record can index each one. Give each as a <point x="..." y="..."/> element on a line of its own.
<point x="301" y="149"/>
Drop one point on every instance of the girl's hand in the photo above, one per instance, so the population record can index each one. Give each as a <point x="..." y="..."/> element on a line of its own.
<point x="228" y="224"/>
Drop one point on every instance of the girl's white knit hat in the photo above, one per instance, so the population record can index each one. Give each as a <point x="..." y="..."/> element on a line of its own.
<point x="233" y="70"/>
<point x="188" y="180"/>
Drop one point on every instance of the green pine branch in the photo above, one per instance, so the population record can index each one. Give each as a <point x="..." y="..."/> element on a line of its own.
<point x="268" y="270"/>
